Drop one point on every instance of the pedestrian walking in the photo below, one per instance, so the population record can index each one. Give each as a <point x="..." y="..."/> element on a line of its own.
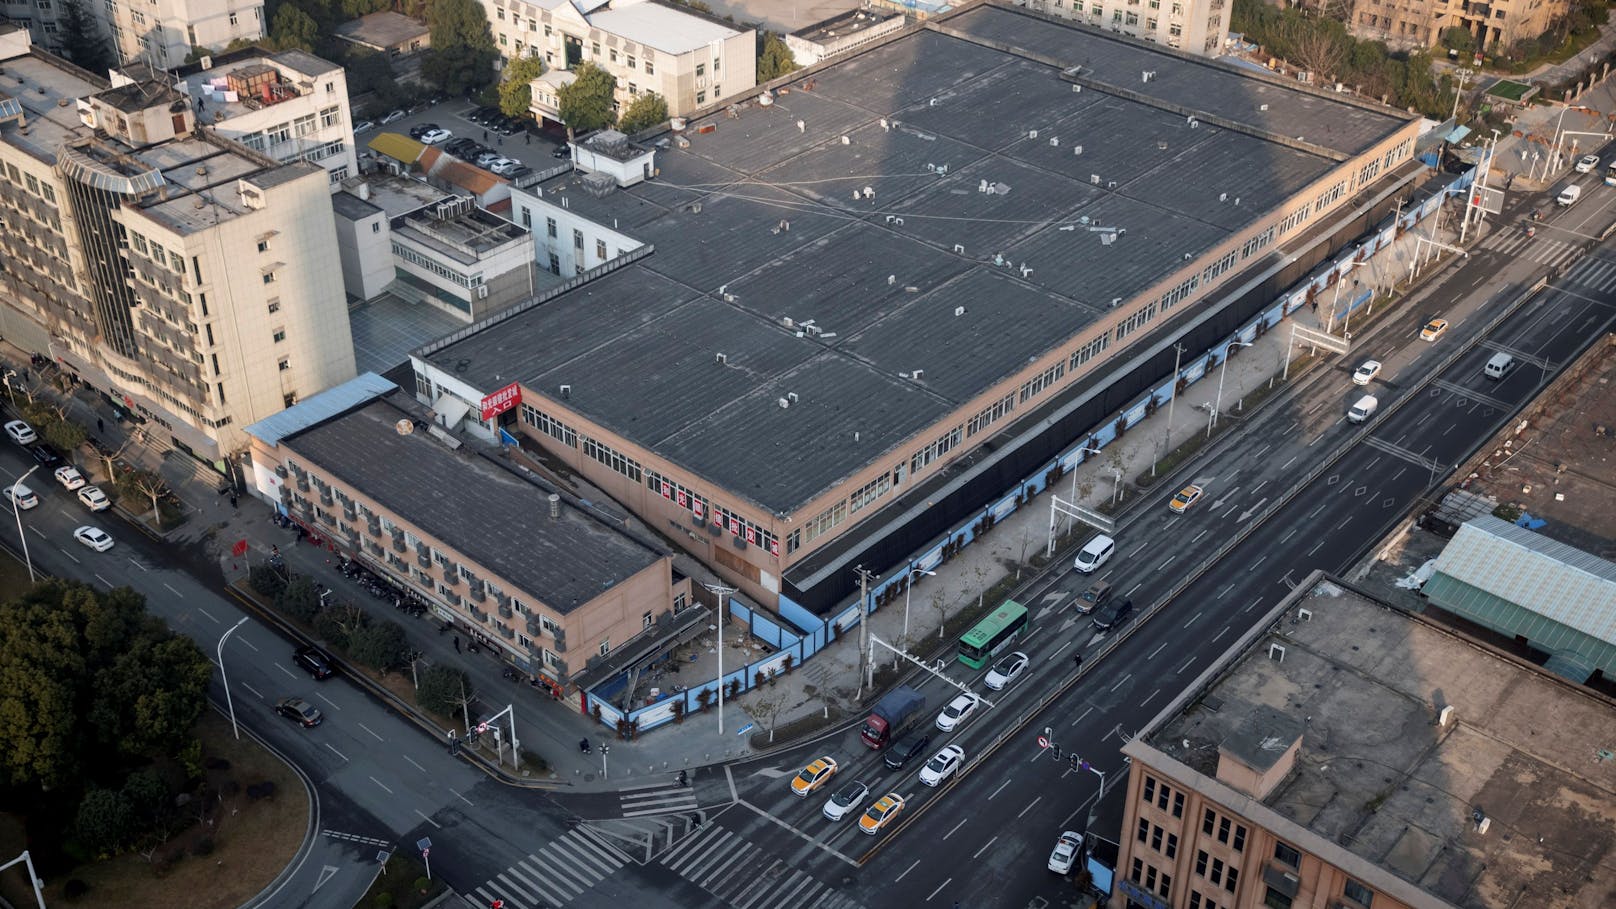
<point x="500" y="141"/>
<point x="100" y="426"/>
<point x="232" y="500"/>
<point x="457" y="643"/>
<point x="485" y="135"/>
<point x="527" y="138"/>
<point x="1077" y="661"/>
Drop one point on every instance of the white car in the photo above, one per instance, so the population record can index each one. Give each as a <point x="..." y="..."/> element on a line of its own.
<point x="94" y="499"/>
<point x="436" y="136"/>
<point x="21" y="433"/>
<point x="1587" y="163"/>
<point x="1366" y="373"/>
<point x="846" y="801"/>
<point x="942" y="765"/>
<point x="70" y="477"/>
<point x="504" y="166"/>
<point x="1006" y="670"/>
<point x="1065" y="854"/>
<point x="21" y="496"/>
<point x="393" y="116"/>
<point x="956" y="712"/>
<point x="93" y="537"/>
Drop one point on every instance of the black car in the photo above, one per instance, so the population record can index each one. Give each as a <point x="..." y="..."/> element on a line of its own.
<point x="484" y="115"/>
<point x="313" y="662"/>
<point x="1113" y="614"/>
<point x="299" y="711"/>
<point x="458" y="147"/>
<point x="422" y="129"/>
<point x="562" y="151"/>
<point x="47" y="456"/>
<point x="906" y="749"/>
<point x="509" y="126"/>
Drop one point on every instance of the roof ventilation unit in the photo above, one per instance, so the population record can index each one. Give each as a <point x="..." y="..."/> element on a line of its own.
<point x="723" y="360"/>
<point x="959" y="311"/>
<point x="566" y="391"/>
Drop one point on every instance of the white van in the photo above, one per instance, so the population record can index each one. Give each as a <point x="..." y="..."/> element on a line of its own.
<point x="1095" y="553"/>
<point x="1569" y="195"/>
<point x="1499" y="366"/>
<point x="22" y="496"/>
<point x="1363" y="410"/>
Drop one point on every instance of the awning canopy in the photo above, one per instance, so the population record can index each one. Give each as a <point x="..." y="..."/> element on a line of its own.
<point x="397" y="147"/>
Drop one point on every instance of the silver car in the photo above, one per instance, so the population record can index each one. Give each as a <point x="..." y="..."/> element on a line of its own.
<point x="846" y="801"/>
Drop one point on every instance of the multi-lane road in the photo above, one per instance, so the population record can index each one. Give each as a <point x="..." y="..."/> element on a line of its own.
<point x="1298" y="489"/>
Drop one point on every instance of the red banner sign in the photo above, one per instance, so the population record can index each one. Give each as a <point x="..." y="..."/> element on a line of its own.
<point x="501" y="401"/>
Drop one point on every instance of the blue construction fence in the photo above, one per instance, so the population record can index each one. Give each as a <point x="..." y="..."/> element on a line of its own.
<point x="799" y="634"/>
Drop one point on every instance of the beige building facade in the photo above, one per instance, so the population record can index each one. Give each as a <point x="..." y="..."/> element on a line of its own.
<point x="1193" y="26"/>
<point x="183" y="275"/>
<point x="691" y="60"/>
<point x="1493" y="26"/>
<point x="162" y="33"/>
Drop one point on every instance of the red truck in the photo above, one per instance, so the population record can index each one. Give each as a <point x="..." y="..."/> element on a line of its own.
<point x="891" y="715"/>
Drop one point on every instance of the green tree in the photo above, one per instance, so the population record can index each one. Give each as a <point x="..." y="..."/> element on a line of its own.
<point x="91" y="685"/>
<point x="299" y="599"/>
<point x="266" y="581"/>
<point x="462" y="55"/>
<point x="339" y="624"/>
<point x="104" y="822"/>
<point x="1459" y="39"/>
<point x="82" y="40"/>
<point x="379" y="645"/>
<point x="293" y="29"/>
<point x="441" y="690"/>
<point x="586" y="102"/>
<point x="515" y="94"/>
<point x="647" y="111"/>
<point x="353" y="9"/>
<point x="774" y="58"/>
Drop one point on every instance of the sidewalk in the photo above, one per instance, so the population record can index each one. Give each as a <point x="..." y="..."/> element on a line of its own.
<point x="551" y="729"/>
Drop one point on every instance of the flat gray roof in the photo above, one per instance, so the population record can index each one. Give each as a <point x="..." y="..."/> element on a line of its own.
<point x="1362" y="684"/>
<point x="384" y="29"/>
<point x="855" y="203"/>
<point x="490" y="514"/>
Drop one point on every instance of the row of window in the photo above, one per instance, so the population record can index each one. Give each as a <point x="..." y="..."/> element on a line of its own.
<point x="434" y="266"/>
<point x="1329" y="197"/>
<point x="1136" y="321"/>
<point x="616" y="460"/>
<point x="1257" y="242"/>
<point x="945" y="443"/>
<point x="1217" y="269"/>
<point x="993" y="413"/>
<point x="1214" y="870"/>
<point x="1043" y="380"/>
<point x="1158" y="838"/>
<point x="678" y="492"/>
<point x="869" y="492"/>
<point x="1161" y="794"/>
<point x="1149" y="878"/>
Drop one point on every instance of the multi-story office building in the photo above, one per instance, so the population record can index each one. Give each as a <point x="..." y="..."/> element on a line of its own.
<point x="1344" y="754"/>
<point x="162" y="33"/>
<point x="193" y="279"/>
<point x="1193" y="26"/>
<point x="516" y="563"/>
<point x="689" y="59"/>
<point x="292" y="105"/>
<point x="44" y="20"/>
<point x="1420" y="23"/>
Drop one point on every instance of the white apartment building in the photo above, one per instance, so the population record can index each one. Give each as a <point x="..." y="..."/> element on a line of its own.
<point x="565" y="242"/>
<point x="194" y="280"/>
<point x="689" y="59"/>
<point x="162" y="32"/>
<point x="41" y="18"/>
<point x="292" y="105"/>
<point x="1197" y="27"/>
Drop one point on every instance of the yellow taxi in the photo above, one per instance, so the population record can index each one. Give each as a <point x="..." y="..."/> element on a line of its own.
<point x="813" y="776"/>
<point x="881" y="813"/>
<point x="1434" y="329"/>
<point x="1186" y="497"/>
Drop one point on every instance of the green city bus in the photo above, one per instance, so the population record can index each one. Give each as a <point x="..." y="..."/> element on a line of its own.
<point x="992" y="634"/>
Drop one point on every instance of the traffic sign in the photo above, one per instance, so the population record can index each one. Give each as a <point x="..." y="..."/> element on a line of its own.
<point x="1043" y="742"/>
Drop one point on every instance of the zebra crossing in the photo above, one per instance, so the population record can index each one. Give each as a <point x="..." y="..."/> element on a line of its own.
<point x="1595" y="274"/>
<point x="649" y="799"/>
<point x="744" y="876"/>
<point x="1541" y="248"/>
<point x="563" y="870"/>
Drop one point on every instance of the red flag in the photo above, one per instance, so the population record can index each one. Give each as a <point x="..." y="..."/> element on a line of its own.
<point x="240" y="548"/>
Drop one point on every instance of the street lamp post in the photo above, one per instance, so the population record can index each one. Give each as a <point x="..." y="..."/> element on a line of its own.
<point x="17" y="513"/>
<point x="908" y="586"/>
<point x="28" y="864"/>
<point x="722" y="592"/>
<point x="226" y="678"/>
<point x="1329" y="322"/>
<point x="1458" y="92"/>
<point x="1223" y="369"/>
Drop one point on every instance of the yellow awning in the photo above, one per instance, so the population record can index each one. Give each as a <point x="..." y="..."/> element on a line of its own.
<point x="398" y="147"/>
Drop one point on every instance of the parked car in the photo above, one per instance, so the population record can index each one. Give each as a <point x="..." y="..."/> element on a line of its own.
<point x="1113" y="615"/>
<point x="299" y="711"/>
<point x="562" y="151"/>
<point x="957" y="712"/>
<point x="21" y="432"/>
<point x="1007" y="670"/>
<point x="393" y="116"/>
<point x="483" y="115"/>
<point x="942" y="765"/>
<point x="520" y="172"/>
<point x="1066" y="852"/>
<point x="70" y="478"/>
<point x="811" y="777"/>
<point x="1366" y="373"/>
<point x="1185" y="497"/>
<point x="435" y="136"/>
<point x="846" y="800"/>
<point x="93" y="537"/>
<point x="21" y="496"/>
<point x="313" y="662"/>
<point x="363" y="126"/>
<point x="94" y="499"/>
<point x="421" y="129"/>
<point x="48" y="457"/>
<point x="881" y="813"/>
<point x="487" y="158"/>
<point x="458" y="147"/>
<point x="510" y="126"/>
<point x="504" y="167"/>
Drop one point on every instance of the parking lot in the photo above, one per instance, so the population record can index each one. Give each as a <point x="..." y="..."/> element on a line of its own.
<point x="531" y="147"/>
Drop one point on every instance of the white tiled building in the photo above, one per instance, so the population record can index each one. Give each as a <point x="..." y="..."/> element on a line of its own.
<point x="291" y="106"/>
<point x="162" y="32"/>
<point x="567" y="242"/>
<point x="690" y="59"/>
<point x="193" y="280"/>
<point x="1194" y="26"/>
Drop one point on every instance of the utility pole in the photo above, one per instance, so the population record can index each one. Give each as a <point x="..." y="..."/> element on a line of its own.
<point x="722" y="617"/>
<point x="1172" y="398"/>
<point x="864" y="629"/>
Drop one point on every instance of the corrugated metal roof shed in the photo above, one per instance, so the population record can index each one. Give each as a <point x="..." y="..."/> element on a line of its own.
<point x="320" y="407"/>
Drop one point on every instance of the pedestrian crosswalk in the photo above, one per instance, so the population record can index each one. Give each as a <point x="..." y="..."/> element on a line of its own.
<point x="744" y="876"/>
<point x="1596" y="274"/>
<point x="656" y="798"/>
<point x="563" y="870"/>
<point x="1547" y="250"/>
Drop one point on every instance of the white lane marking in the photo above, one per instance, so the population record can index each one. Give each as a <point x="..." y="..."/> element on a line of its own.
<point x="1082" y="715"/>
<point x="381" y="784"/>
<point x="1315" y="547"/>
<point x="956" y="827"/>
<point x="334" y="704"/>
<point x="1197" y="537"/>
<point x="1186" y="665"/>
<point x="1169" y="561"/>
<point x="1000" y="789"/>
<point x="459" y="796"/>
<point x="1157" y="651"/>
<point x="1258" y="562"/>
<point x="906" y="872"/>
<point x="289" y="673"/>
<point x="256" y="693"/>
<point x="208" y="614"/>
<point x="949" y="881"/>
<point x="429" y="820"/>
<point x="1220" y="634"/>
<point x="1152" y="695"/>
<point x="1290" y="533"/>
<point x="1252" y="606"/>
<point x="98" y="577"/>
<point x="1192" y="619"/>
<point x="1122" y="681"/>
<point x="418" y="766"/>
<point x="1133" y="588"/>
<point x="1258" y="488"/>
<point x="372" y="732"/>
<point x="1290" y="462"/>
<point x="173" y="591"/>
<point x="1036" y="800"/>
<point x="250" y="645"/>
<point x="1224" y="592"/>
<point x="336" y="752"/>
<point x="138" y="565"/>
